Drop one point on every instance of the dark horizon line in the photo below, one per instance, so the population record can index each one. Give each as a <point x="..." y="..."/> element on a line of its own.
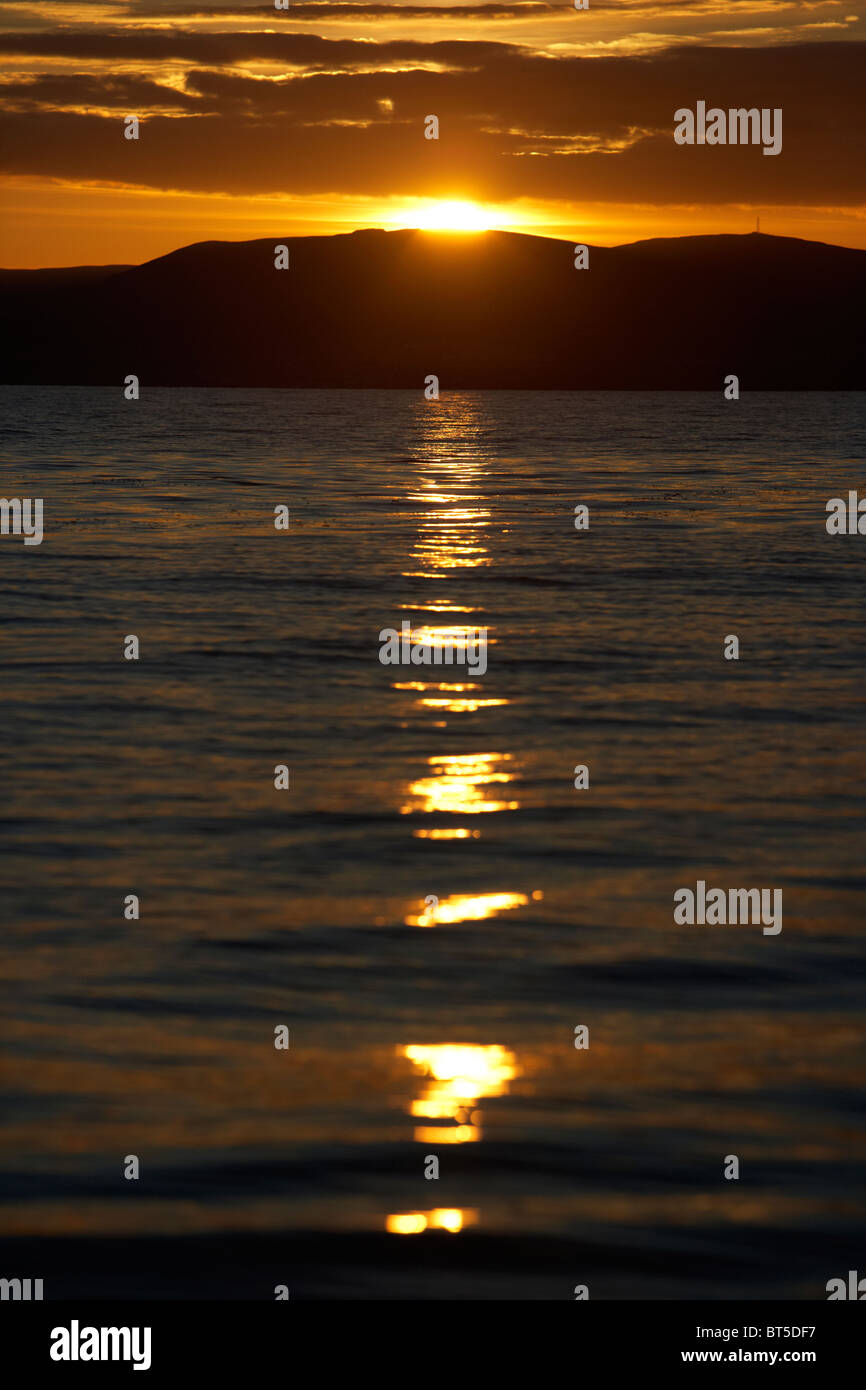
<point x="427" y="231"/>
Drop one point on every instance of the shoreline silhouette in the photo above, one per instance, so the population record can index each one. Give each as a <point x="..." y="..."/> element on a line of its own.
<point x="489" y="310"/>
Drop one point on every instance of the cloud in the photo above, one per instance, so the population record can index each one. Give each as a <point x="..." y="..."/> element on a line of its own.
<point x="323" y="10"/>
<point x="514" y="124"/>
<point x="228" y="49"/>
<point x="91" y="90"/>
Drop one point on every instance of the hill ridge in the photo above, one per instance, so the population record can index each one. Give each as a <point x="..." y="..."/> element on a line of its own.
<point x="376" y="308"/>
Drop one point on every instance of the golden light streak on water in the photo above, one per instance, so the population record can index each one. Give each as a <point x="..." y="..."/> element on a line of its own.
<point x="466" y="908"/>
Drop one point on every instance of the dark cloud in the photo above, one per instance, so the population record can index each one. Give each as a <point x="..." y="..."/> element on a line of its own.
<point x="513" y="124"/>
<point x="220" y="154"/>
<point x="819" y="86"/>
<point x="766" y="12"/>
<point x="325" y="9"/>
<point x="227" y="49"/>
<point x="129" y="94"/>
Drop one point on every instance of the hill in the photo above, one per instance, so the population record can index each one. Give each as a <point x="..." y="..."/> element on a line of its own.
<point x="499" y="309"/>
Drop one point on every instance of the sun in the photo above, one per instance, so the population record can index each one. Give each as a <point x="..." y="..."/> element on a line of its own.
<point x="451" y="216"/>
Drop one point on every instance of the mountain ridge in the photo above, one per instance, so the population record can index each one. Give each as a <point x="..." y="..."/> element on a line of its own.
<point x="375" y="308"/>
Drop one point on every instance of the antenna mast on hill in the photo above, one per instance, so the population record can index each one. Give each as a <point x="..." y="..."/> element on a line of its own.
<point x="758" y="225"/>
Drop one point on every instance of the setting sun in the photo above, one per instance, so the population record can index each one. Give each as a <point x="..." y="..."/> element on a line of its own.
<point x="451" y="216"/>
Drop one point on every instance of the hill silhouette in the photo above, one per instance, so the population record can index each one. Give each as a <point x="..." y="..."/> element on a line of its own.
<point x="491" y="310"/>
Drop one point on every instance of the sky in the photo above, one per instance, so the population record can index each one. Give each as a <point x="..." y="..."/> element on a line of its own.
<point x="257" y="122"/>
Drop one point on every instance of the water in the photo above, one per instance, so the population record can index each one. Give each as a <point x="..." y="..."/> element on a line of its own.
<point x="259" y="907"/>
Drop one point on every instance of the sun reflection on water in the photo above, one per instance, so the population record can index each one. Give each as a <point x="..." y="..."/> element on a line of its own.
<point x="458" y="832"/>
<point x="467" y="907"/>
<point x="453" y="526"/>
<point x="465" y="706"/>
<point x="412" y="1223"/>
<point x="458" y="1075"/>
<point x="458" y="784"/>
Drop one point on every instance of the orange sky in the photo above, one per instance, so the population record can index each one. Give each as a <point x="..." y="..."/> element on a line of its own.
<point x="256" y="121"/>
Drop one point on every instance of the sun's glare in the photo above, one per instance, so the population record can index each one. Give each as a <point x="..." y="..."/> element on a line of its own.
<point x="450" y="216"/>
